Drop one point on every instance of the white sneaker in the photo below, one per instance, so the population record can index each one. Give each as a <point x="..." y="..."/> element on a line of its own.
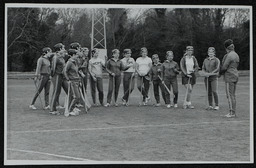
<point x="175" y="105"/>
<point x="158" y="104"/>
<point x="79" y="105"/>
<point x="76" y="109"/>
<point x="147" y="99"/>
<point x="124" y="102"/>
<point x="47" y="107"/>
<point x="60" y="107"/>
<point x="32" y="107"/>
<point x="116" y="104"/>
<point x="66" y="114"/>
<point x="73" y="113"/>
<point x="168" y="106"/>
<point x="145" y="103"/>
<point x="107" y="105"/>
<point x="216" y="108"/>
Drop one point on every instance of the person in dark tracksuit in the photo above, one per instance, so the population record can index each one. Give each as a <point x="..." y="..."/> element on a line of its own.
<point x="43" y="71"/>
<point x="71" y="74"/>
<point x="95" y="69"/>
<point x="129" y="77"/>
<point x="155" y="72"/>
<point x="58" y="79"/>
<point x="170" y="71"/>
<point x="114" y="67"/>
<point x="84" y="66"/>
<point x="229" y="66"/>
<point x="211" y="64"/>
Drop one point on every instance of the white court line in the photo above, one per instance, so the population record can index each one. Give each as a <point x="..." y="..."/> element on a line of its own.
<point x="127" y="127"/>
<point x="49" y="154"/>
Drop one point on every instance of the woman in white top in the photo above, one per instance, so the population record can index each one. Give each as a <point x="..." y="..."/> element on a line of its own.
<point x="143" y="66"/>
<point x="189" y="66"/>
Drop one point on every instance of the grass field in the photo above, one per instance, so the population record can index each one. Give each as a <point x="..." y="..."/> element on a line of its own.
<point x="129" y="133"/>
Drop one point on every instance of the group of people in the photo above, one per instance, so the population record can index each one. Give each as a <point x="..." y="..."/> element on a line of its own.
<point x="70" y="70"/>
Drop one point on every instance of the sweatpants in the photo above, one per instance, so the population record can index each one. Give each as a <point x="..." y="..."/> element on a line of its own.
<point x="231" y="95"/>
<point x="158" y="83"/>
<point x="171" y="83"/>
<point x="127" y="81"/>
<point x="143" y="86"/>
<point x="75" y="95"/>
<point x="58" y="82"/>
<point x="99" y="84"/>
<point x="44" y="83"/>
<point x="212" y="91"/>
<point x="113" y="82"/>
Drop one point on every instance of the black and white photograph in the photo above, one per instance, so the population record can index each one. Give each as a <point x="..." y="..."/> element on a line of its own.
<point x="94" y="84"/>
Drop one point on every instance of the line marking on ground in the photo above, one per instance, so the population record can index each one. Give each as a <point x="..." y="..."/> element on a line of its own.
<point x="50" y="154"/>
<point x="127" y="127"/>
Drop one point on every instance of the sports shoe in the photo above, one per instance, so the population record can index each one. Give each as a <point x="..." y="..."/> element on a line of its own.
<point x="158" y="104"/>
<point x="47" y="107"/>
<point x="145" y="103"/>
<point x="54" y="112"/>
<point x="190" y="106"/>
<point x="147" y="99"/>
<point x="107" y="105"/>
<point x="216" y="108"/>
<point x="229" y="115"/>
<point x="124" y="102"/>
<point x="76" y="109"/>
<point x="209" y="108"/>
<point x="116" y="104"/>
<point x="66" y="114"/>
<point x="60" y="107"/>
<point x="32" y="107"/>
<point x="168" y="106"/>
<point x="73" y="113"/>
<point x="175" y="105"/>
<point x="79" y="105"/>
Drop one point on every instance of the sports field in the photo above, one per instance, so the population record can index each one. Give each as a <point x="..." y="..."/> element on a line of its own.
<point x="131" y="133"/>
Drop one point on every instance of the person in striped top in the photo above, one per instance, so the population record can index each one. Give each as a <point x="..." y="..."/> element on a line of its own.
<point x="211" y="64"/>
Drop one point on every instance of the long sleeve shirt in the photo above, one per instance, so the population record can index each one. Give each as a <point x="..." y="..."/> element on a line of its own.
<point x="170" y="69"/>
<point x="126" y="62"/>
<point x="71" y="70"/>
<point x="157" y="69"/>
<point x="95" y="66"/>
<point x="43" y="66"/>
<point x="229" y="66"/>
<point x="115" y="66"/>
<point x="58" y="64"/>
<point x="211" y="65"/>
<point x="183" y="65"/>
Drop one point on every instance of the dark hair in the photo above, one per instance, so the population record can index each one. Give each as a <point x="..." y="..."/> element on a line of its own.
<point x="71" y="52"/>
<point x="74" y="46"/>
<point x="46" y="50"/>
<point x="58" y="46"/>
<point x="228" y="42"/>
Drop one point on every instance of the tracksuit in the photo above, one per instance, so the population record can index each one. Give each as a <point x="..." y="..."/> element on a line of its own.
<point x="43" y="69"/>
<point x="71" y="74"/>
<point x="229" y="66"/>
<point x="157" y="70"/>
<point x="211" y="65"/>
<point x="58" y="80"/>
<point x="170" y="71"/>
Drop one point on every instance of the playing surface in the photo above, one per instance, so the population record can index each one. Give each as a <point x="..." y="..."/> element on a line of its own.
<point x="131" y="133"/>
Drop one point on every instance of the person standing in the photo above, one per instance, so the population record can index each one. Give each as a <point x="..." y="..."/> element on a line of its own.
<point x="229" y="66"/>
<point x="156" y="72"/>
<point x="95" y="69"/>
<point x="189" y="66"/>
<point x="143" y="66"/>
<point x="83" y="69"/>
<point x="114" y="67"/>
<point x="71" y="74"/>
<point x="170" y="71"/>
<point x="211" y="64"/>
<point x="129" y="77"/>
<point x="58" y="78"/>
<point x="43" y="71"/>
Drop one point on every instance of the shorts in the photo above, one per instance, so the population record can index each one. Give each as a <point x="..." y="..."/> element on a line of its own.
<point x="185" y="79"/>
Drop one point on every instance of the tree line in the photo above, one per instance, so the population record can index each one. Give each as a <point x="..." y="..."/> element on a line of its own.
<point x="158" y="29"/>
